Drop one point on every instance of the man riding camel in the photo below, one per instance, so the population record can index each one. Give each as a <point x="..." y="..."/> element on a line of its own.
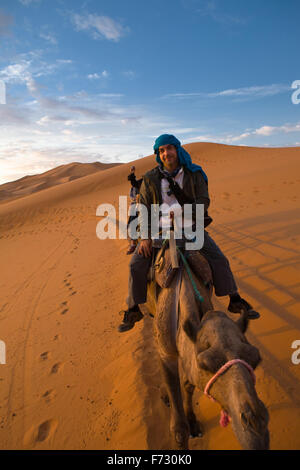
<point x="134" y="199"/>
<point x="176" y="180"/>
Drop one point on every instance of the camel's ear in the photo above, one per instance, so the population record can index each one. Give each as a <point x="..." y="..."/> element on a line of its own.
<point x="190" y="330"/>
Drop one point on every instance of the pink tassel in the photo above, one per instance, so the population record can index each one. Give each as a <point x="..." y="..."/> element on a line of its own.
<point x="224" y="419"/>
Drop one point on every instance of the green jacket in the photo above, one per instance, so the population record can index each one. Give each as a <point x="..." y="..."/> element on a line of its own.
<point x="194" y="187"/>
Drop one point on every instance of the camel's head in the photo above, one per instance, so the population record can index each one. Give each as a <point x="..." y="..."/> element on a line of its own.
<point x="217" y="340"/>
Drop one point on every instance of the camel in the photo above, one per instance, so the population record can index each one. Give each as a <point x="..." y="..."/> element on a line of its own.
<point x="193" y="348"/>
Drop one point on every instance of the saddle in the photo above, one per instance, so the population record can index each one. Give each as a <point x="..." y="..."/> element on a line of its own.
<point x="164" y="267"/>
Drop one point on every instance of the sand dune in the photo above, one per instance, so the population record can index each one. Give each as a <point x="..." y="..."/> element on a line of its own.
<point x="71" y="381"/>
<point x="62" y="174"/>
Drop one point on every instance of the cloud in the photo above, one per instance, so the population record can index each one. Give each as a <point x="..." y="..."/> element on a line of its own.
<point x="28" y="2"/>
<point x="49" y="37"/>
<point x="99" y="26"/>
<point x="47" y="119"/>
<point x="286" y="128"/>
<point x="62" y="105"/>
<point x="251" y="92"/>
<point x="64" y="61"/>
<point x="131" y="120"/>
<point x="15" y="73"/>
<point x="263" y="131"/>
<point x="266" y="131"/>
<point x="11" y="116"/>
<point x="110" y="95"/>
<point x="28" y="68"/>
<point x="267" y="90"/>
<point x="24" y="71"/>
<point x="96" y="76"/>
<point x="93" y="76"/>
<point x="129" y="74"/>
<point x="20" y="73"/>
<point x="212" y="10"/>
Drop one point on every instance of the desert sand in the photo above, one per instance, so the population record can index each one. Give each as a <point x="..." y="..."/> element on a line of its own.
<point x="71" y="381"/>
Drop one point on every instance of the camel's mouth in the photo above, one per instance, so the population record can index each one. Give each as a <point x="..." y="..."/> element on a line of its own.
<point x="251" y="426"/>
<point x="255" y="422"/>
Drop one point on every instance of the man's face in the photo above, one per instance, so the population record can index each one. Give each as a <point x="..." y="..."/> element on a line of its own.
<point x="168" y="155"/>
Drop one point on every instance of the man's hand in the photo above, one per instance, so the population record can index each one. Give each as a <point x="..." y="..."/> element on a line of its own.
<point x="145" y="248"/>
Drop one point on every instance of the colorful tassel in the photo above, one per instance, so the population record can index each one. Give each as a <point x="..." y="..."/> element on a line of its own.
<point x="224" y="419"/>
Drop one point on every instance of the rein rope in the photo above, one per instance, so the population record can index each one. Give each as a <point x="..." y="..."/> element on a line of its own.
<point x="188" y="270"/>
<point x="225" y="418"/>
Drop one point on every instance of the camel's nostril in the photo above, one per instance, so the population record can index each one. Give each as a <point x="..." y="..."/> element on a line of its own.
<point x="250" y="422"/>
<point x="244" y="420"/>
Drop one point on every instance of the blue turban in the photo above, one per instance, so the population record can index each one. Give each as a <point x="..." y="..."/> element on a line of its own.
<point x="183" y="156"/>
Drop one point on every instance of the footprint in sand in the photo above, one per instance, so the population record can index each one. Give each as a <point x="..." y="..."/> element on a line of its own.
<point x="73" y="293"/>
<point x="64" y="311"/>
<point x="44" y="429"/>
<point x="41" y="433"/>
<point x="49" y="395"/>
<point x="44" y="356"/>
<point x="225" y="195"/>
<point x="56" y="368"/>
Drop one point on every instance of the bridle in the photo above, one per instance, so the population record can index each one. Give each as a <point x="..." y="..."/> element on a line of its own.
<point x="225" y="418"/>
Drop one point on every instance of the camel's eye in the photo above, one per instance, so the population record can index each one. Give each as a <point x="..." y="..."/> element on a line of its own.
<point x="210" y="360"/>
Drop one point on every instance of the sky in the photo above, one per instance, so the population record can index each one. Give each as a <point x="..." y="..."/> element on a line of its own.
<point x="99" y="80"/>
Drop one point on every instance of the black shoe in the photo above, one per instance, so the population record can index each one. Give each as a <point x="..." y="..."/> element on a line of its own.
<point x="238" y="305"/>
<point x="131" y="316"/>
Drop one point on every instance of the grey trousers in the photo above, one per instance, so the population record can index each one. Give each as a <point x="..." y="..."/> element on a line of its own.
<point x="223" y="280"/>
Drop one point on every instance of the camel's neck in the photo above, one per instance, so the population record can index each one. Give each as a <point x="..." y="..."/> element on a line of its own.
<point x="187" y="357"/>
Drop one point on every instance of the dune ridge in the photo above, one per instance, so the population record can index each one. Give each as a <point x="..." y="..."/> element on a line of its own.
<point x="59" y="175"/>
